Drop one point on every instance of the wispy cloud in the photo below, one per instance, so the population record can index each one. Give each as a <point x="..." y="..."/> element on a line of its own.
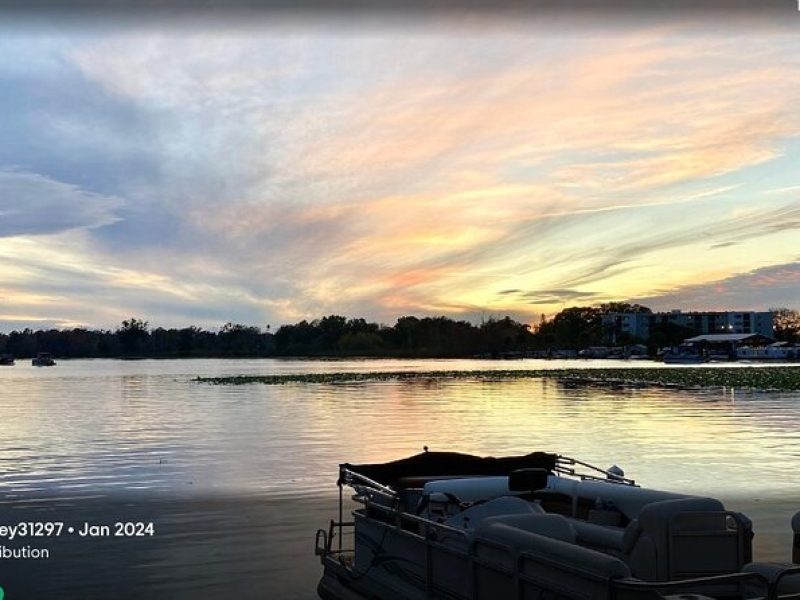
<point x="784" y="190"/>
<point x="35" y="204"/>
<point x="275" y="174"/>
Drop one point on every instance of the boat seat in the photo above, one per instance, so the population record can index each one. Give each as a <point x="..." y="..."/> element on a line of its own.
<point x="554" y="568"/>
<point x="504" y="506"/>
<point x="554" y="502"/>
<point x="583" y="496"/>
<point x="790" y="584"/>
<point x="540" y="523"/>
<point x="685" y="537"/>
<point x="600" y="537"/>
<point x="471" y="489"/>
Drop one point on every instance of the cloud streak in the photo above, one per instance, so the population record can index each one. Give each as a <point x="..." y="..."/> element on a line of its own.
<point x="281" y="174"/>
<point x="32" y="204"/>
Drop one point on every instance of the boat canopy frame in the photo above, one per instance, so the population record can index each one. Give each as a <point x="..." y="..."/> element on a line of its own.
<point x="390" y="475"/>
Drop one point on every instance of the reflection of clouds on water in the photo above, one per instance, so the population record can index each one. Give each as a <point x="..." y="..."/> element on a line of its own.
<point x="109" y="428"/>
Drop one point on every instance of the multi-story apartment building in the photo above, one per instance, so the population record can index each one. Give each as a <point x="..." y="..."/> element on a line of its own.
<point x="639" y="325"/>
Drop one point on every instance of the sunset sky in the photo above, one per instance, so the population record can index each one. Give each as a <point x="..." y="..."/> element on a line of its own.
<point x="285" y="169"/>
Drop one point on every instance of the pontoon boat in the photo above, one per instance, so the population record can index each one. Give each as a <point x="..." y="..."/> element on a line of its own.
<point x="43" y="359"/>
<point x="535" y="527"/>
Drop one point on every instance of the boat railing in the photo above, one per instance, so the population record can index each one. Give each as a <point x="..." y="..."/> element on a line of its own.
<point x="621" y="588"/>
<point x="370" y="488"/>
<point x="394" y="516"/>
<point x="366" y="490"/>
<point x="567" y="466"/>
<point x="357" y="480"/>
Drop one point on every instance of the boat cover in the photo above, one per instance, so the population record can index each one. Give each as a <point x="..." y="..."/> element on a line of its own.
<point x="449" y="464"/>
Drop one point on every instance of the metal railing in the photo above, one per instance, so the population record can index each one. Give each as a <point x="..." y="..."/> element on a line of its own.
<point x="685" y="585"/>
<point x="566" y="466"/>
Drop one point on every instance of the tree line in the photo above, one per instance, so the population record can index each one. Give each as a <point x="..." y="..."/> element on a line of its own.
<point x="335" y="335"/>
<point x="332" y="335"/>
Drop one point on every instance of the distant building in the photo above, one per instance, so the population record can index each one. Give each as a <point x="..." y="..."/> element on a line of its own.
<point x="639" y="325"/>
<point x="726" y="345"/>
<point x="618" y="325"/>
<point x="752" y="339"/>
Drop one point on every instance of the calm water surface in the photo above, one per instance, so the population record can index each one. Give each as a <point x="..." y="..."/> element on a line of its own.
<point x="103" y="428"/>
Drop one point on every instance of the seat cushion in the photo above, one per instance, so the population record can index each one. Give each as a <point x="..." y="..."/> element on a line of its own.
<point x="497" y="507"/>
<point x="551" y="526"/>
<point x="601" y="536"/>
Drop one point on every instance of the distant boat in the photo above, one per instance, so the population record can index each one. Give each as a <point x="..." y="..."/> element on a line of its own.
<point x="684" y="358"/>
<point x="43" y="359"/>
<point x="685" y="354"/>
<point x="7" y="360"/>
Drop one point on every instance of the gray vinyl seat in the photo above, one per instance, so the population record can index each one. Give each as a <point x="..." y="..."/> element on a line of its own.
<point x="551" y="526"/>
<point x="503" y="506"/>
<point x="605" y="538"/>
<point x="504" y="546"/>
<point x="683" y="538"/>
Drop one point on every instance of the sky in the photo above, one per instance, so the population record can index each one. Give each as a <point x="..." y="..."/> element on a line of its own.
<point x="263" y="172"/>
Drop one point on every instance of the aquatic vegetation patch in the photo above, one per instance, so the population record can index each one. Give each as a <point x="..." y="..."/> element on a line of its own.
<point x="758" y="378"/>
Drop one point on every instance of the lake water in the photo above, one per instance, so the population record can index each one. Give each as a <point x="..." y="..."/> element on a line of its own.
<point x="245" y="474"/>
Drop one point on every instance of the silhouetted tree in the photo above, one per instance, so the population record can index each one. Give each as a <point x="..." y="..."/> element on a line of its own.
<point x="786" y="324"/>
<point x="623" y="307"/>
<point x="133" y="336"/>
<point x="22" y="343"/>
<point x="240" y="340"/>
<point x="575" y="327"/>
<point x="504" y="335"/>
<point x="360" y="342"/>
<point x="663" y="335"/>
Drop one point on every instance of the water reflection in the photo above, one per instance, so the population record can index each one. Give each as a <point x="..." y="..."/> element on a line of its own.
<point x="98" y="427"/>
